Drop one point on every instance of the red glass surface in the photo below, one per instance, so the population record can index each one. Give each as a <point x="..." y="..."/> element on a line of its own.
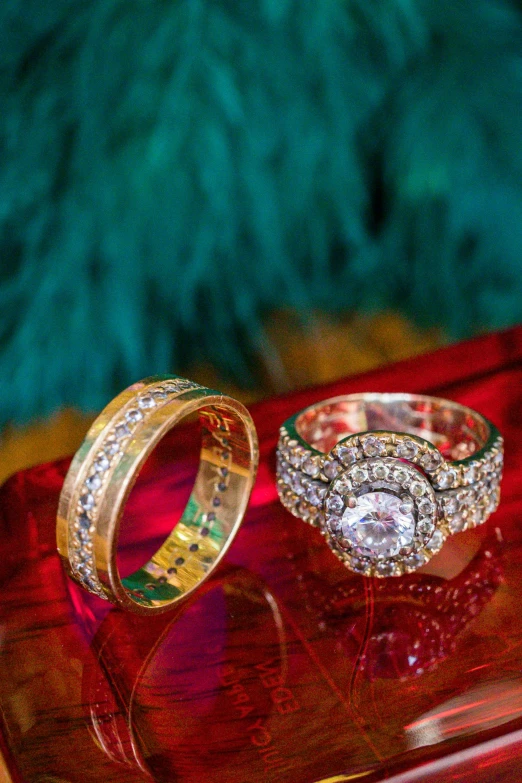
<point x="284" y="666"/>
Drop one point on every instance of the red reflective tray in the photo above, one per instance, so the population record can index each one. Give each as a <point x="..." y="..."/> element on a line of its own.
<point x="284" y="667"/>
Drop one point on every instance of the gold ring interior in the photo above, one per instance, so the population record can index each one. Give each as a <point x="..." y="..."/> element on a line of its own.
<point x="458" y="432"/>
<point x="211" y="515"/>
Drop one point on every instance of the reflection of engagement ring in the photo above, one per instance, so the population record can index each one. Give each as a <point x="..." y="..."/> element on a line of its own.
<point x="105" y="469"/>
<point x="403" y="627"/>
<point x="388" y="477"/>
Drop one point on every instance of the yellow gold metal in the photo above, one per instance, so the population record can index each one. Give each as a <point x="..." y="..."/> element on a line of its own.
<point x="106" y="466"/>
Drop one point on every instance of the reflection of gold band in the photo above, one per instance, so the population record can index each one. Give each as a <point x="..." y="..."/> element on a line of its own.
<point x="105" y="469"/>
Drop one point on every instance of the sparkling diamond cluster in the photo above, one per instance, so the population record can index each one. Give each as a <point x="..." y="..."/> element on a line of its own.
<point x="97" y="471"/>
<point x="466" y="493"/>
<point x="380" y="515"/>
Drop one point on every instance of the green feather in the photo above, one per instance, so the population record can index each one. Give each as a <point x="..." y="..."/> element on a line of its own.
<point x="172" y="172"/>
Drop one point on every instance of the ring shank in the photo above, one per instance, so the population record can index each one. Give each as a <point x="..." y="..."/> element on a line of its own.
<point x="457" y="431"/>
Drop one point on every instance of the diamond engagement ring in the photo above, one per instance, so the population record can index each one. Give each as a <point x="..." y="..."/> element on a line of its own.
<point x="105" y="468"/>
<point x="387" y="477"/>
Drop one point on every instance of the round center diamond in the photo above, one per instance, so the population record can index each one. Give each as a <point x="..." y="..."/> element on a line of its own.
<point x="377" y="526"/>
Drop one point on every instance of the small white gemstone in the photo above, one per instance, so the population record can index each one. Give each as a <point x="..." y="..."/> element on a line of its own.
<point x="285" y="475"/>
<point x="111" y="447"/>
<point x="361" y="566"/>
<point x="146" y="402"/>
<point x="159" y="394"/>
<point x="486" y="469"/>
<point x="446" y="479"/>
<point x="451" y="505"/>
<point x="424" y="526"/>
<point x="385" y="569"/>
<point x="315" y="492"/>
<point x="464" y="497"/>
<point x="133" y="416"/>
<point x="491" y="506"/>
<point x="335" y="504"/>
<point x="296" y="484"/>
<point x="377" y="526"/>
<point x="475" y="516"/>
<point x="470" y="474"/>
<point x="121" y="431"/>
<point x="400" y="475"/>
<point x="343" y="484"/>
<point x="296" y="458"/>
<point x="380" y="471"/>
<point x="471" y="494"/>
<point x="87" y="501"/>
<point x="303" y="509"/>
<point x="426" y="506"/>
<point x="85" y="568"/>
<point x="431" y="460"/>
<point x="311" y="467"/>
<point x="86" y="550"/>
<point x="331" y="468"/>
<point x="373" y="447"/>
<point x="102" y="463"/>
<point x="417" y="489"/>
<point x="94" y="482"/>
<point x="347" y="454"/>
<point x="81" y="537"/>
<point x="407" y="449"/>
<point x="359" y="475"/>
<point x="457" y="523"/>
<point x="284" y="454"/>
<point x="414" y="560"/>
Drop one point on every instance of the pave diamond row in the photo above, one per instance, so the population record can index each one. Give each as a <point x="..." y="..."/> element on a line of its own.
<point x="98" y="470"/>
<point x="443" y="474"/>
<point x="463" y="507"/>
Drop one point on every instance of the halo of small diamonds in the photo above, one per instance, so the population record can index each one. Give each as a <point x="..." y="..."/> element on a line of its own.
<point x="407" y="501"/>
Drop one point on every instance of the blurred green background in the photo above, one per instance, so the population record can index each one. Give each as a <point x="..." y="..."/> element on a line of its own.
<point x="257" y="194"/>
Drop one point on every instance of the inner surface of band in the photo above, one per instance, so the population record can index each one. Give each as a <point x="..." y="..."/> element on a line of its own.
<point x="211" y="515"/>
<point x="456" y="431"/>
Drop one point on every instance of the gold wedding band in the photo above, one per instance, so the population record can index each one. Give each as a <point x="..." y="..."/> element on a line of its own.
<point x="106" y="466"/>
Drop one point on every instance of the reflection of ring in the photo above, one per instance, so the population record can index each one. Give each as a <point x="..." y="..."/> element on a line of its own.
<point x="389" y="476"/>
<point x="105" y="469"/>
<point x="134" y="683"/>
<point x="402" y="628"/>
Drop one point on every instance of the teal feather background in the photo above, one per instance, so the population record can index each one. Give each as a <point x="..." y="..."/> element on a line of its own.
<point x="173" y="171"/>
